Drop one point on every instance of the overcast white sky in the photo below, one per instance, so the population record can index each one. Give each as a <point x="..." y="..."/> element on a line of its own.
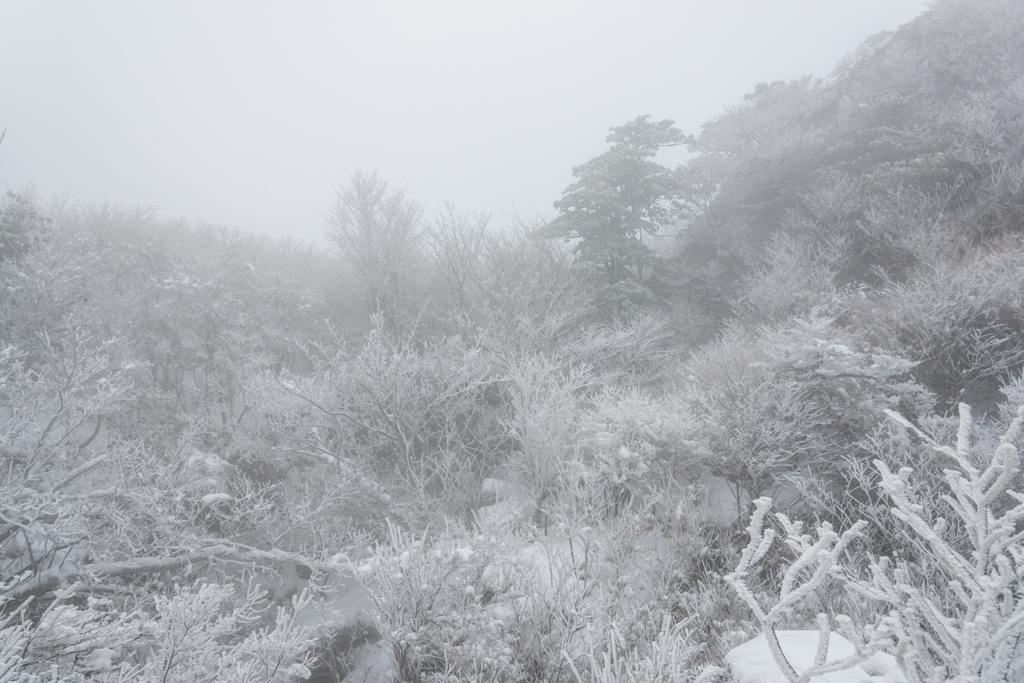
<point x="250" y="114"/>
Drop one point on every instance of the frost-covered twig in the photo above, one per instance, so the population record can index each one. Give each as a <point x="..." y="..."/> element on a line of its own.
<point x="53" y="578"/>
<point x="815" y="560"/>
<point x="11" y="659"/>
<point x="937" y="642"/>
<point x="934" y="641"/>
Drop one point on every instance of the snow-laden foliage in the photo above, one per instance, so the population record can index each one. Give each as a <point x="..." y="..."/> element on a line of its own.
<point x="185" y="409"/>
<point x="205" y="633"/>
<point x="816" y="560"/>
<point x="939" y="637"/>
<point x="195" y="638"/>
<point x="497" y="606"/>
<point x="958" y="631"/>
<point x="666" y="659"/>
<point x="777" y="405"/>
<point x="960" y="322"/>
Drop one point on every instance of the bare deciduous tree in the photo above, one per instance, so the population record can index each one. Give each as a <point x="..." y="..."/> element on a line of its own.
<point x="456" y="243"/>
<point x="378" y="232"/>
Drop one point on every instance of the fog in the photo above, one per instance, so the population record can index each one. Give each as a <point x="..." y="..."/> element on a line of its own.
<point x="251" y="114"/>
<point x="706" y="424"/>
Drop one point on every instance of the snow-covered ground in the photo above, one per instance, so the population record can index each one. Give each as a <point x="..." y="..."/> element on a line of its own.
<point x="752" y="662"/>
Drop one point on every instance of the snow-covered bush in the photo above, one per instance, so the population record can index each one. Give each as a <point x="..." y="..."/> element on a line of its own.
<point x="394" y="402"/>
<point x="495" y="606"/>
<point x="778" y="407"/>
<point x="793" y="279"/>
<point x="964" y="629"/>
<point x="481" y="608"/>
<point x="753" y="429"/>
<point x="629" y="440"/>
<point x="545" y="406"/>
<point x="207" y="633"/>
<point x="960" y="321"/>
<point x="959" y="638"/>
<point x="816" y="560"/>
<point x="667" y="658"/>
<point x="433" y="609"/>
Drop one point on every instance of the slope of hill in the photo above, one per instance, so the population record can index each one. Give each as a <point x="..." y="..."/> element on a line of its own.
<point x="197" y="427"/>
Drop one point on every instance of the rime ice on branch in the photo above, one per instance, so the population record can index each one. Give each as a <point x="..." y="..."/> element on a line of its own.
<point x="964" y="639"/>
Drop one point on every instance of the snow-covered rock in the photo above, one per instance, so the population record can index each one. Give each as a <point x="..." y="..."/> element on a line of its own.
<point x="752" y="662"/>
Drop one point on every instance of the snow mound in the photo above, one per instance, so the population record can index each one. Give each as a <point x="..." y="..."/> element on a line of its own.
<point x="211" y="499"/>
<point x="752" y="662"/>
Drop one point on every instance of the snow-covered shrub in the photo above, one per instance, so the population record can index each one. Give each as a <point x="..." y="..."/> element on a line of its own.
<point x="84" y="506"/>
<point x="958" y="638"/>
<point x="636" y="351"/>
<point x="395" y="407"/>
<point x="52" y="406"/>
<point x="793" y="279"/>
<point x="418" y="424"/>
<point x="530" y="298"/>
<point x="667" y="658"/>
<point x="545" y="407"/>
<point x="844" y="374"/>
<point x="752" y="429"/>
<point x="774" y="407"/>
<point x="961" y="322"/>
<point x="207" y="633"/>
<point x="965" y="628"/>
<point x="816" y="560"/>
<point x="435" y="611"/>
<point x="495" y="606"/>
<point x="628" y="440"/>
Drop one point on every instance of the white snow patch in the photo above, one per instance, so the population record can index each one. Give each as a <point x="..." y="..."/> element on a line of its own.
<point x="214" y="498"/>
<point x="366" y="568"/>
<point x="463" y="554"/>
<point x="211" y="461"/>
<point x="499" y="488"/>
<point x="752" y="662"/>
<point x="100" y="658"/>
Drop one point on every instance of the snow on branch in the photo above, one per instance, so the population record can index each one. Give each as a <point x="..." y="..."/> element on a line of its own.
<point x="54" y="578"/>
<point x="962" y="630"/>
<point x="938" y="641"/>
<point x="815" y="561"/>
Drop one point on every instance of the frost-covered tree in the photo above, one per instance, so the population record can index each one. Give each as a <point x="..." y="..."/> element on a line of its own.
<point x="620" y="197"/>
<point x="378" y="231"/>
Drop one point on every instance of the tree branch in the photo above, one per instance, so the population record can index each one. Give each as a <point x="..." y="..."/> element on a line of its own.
<point x="54" y="578"/>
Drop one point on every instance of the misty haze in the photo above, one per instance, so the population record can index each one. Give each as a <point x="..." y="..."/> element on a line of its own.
<point x="552" y="342"/>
